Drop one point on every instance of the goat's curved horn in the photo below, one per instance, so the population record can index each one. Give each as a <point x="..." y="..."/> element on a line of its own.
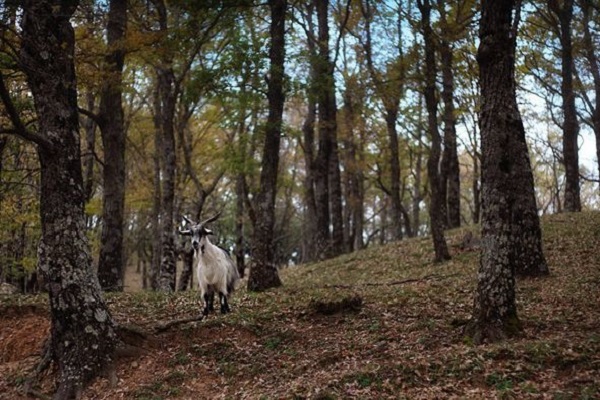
<point x="189" y="221"/>
<point x="211" y="219"/>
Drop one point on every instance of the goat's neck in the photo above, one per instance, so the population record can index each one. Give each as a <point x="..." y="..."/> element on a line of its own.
<point x="205" y="245"/>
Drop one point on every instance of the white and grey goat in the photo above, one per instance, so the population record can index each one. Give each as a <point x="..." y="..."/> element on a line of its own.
<point x="215" y="268"/>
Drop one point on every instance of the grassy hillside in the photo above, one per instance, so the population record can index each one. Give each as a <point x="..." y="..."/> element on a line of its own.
<point x="380" y="323"/>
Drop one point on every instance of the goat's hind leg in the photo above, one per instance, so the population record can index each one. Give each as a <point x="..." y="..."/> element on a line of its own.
<point x="224" y="304"/>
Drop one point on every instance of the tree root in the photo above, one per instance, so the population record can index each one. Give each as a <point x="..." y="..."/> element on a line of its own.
<point x="34" y="377"/>
<point x="168" y="325"/>
<point x="392" y="283"/>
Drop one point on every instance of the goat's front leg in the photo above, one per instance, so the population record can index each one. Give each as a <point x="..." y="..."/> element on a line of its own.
<point x="210" y="303"/>
<point x="224" y="304"/>
<point x="206" y="302"/>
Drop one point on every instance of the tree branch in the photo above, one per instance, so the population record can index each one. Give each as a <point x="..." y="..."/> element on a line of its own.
<point x="91" y="115"/>
<point x="20" y="129"/>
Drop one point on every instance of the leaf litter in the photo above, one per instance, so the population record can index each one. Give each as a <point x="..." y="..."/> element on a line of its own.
<point x="384" y="322"/>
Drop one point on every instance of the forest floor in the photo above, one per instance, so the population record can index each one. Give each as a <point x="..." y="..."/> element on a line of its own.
<point x="380" y="323"/>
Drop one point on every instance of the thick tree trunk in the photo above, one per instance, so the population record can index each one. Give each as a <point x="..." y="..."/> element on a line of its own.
<point x="83" y="333"/>
<point x="450" y="168"/>
<point x="436" y="203"/>
<point x="511" y="238"/>
<point x="112" y="126"/>
<point x="570" y="126"/>
<point x="263" y="274"/>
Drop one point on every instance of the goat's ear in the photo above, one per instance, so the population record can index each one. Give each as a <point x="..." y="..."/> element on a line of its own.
<point x="186" y="232"/>
<point x="208" y="232"/>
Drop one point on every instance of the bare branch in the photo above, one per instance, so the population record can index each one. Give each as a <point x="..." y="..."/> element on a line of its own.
<point x="20" y="129"/>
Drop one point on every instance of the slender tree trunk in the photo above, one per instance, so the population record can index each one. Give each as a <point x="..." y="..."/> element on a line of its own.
<point x="335" y="190"/>
<point x="594" y="66"/>
<point x="156" y="197"/>
<point x="391" y="115"/>
<point x="187" y="276"/>
<point x="311" y="232"/>
<point x="353" y="169"/>
<point x="240" y="242"/>
<point x="450" y="168"/>
<point x="112" y="127"/>
<point x="327" y="174"/>
<point x="389" y="92"/>
<point x="89" y="128"/>
<point x="167" y="101"/>
<point x="570" y="126"/>
<point x="436" y="204"/>
<point x="167" y="153"/>
<point x="82" y="333"/>
<point x="263" y="274"/>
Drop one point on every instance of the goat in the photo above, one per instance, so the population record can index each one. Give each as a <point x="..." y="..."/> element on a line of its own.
<point x="215" y="268"/>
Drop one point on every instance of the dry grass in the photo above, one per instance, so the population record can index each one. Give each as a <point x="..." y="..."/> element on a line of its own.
<point x="393" y="329"/>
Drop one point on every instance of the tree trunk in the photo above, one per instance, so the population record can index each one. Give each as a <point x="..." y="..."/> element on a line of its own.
<point x="389" y="90"/>
<point x="436" y="203"/>
<point x="240" y="241"/>
<point x="570" y="126"/>
<point x="83" y="333"/>
<point x="165" y="79"/>
<point x="156" y="197"/>
<point x="391" y="115"/>
<point x="507" y="181"/>
<point x="167" y="153"/>
<point x="590" y="54"/>
<point x="263" y="274"/>
<point x="450" y="169"/>
<point x="311" y="232"/>
<point x="187" y="272"/>
<point x="354" y="175"/>
<point x="89" y="128"/>
<point x="110" y="264"/>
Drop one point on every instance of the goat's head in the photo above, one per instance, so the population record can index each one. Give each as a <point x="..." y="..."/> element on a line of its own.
<point x="197" y="231"/>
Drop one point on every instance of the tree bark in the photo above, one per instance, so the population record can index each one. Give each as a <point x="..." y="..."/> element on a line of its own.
<point x="436" y="203"/>
<point x="112" y="127"/>
<point x="83" y="332"/>
<point x="389" y="90"/>
<point x="507" y="181"/>
<point x="594" y="66"/>
<point x="263" y="274"/>
<point x="570" y="126"/>
<point x="450" y="169"/>
<point x="164" y="119"/>
<point x="310" y="231"/>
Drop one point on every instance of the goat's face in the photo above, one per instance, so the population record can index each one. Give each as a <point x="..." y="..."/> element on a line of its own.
<point x="197" y="231"/>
